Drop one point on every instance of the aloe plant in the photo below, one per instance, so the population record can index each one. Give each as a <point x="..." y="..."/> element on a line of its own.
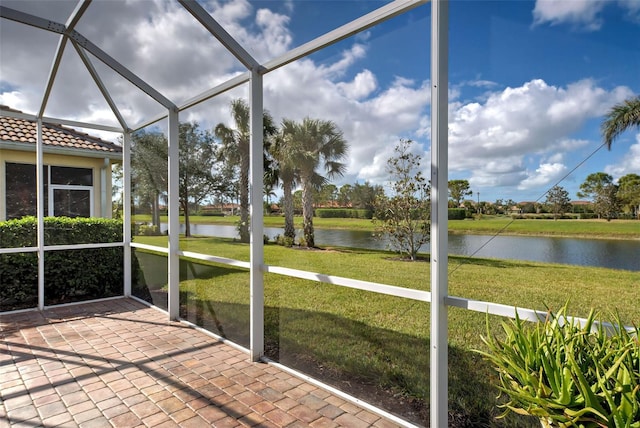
<point x="569" y="374"/>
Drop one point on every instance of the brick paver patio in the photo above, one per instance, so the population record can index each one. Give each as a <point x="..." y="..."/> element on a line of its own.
<point x="120" y="363"/>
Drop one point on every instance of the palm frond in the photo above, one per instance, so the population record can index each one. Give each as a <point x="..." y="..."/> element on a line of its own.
<point x="621" y="117"/>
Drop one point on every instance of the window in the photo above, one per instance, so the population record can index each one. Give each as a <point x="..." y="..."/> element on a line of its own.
<point x="68" y="191"/>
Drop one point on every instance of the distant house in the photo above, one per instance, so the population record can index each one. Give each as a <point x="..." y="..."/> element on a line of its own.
<point x="76" y="170"/>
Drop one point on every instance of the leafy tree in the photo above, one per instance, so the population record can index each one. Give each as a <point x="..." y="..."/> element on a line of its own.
<point x="149" y="170"/>
<point x="364" y="196"/>
<point x="197" y="160"/>
<point x="314" y="143"/>
<point x="621" y="117"/>
<point x="404" y="216"/>
<point x="599" y="187"/>
<point x="528" y="207"/>
<point x="297" y="201"/>
<point x="606" y="202"/>
<point x="117" y="196"/>
<point x="327" y="194"/>
<point x="344" y="195"/>
<point x="235" y="150"/>
<point x="499" y="206"/>
<point x="197" y="156"/>
<point x="558" y="201"/>
<point x="629" y="193"/>
<point x="227" y="188"/>
<point x="458" y="189"/>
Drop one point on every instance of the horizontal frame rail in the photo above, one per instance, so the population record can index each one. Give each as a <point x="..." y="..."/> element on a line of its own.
<point x="62" y="247"/>
<point x="375" y="287"/>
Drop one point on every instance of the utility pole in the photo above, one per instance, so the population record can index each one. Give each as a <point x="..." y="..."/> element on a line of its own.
<point x="479" y="203"/>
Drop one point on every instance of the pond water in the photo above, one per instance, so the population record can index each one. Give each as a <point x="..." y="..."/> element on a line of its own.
<point x="610" y="253"/>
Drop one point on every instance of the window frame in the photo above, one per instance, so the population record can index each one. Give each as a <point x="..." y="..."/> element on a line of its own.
<point x="50" y="188"/>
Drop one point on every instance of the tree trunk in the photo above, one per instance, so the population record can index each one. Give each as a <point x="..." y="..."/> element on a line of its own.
<point x="243" y="228"/>
<point x="155" y="218"/>
<point x="289" y="228"/>
<point x="187" y="223"/>
<point x="307" y="212"/>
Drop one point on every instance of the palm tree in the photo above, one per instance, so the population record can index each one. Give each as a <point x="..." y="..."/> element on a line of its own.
<point x="288" y="174"/>
<point x="621" y="117"/>
<point x="235" y="149"/>
<point x="314" y="143"/>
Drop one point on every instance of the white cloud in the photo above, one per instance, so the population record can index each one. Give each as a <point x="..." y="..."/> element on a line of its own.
<point x="348" y="58"/>
<point x="544" y="176"/>
<point x="276" y="36"/>
<point x="493" y="139"/>
<point x="630" y="163"/>
<point x="372" y="122"/>
<point x="361" y="87"/>
<point x="580" y="13"/>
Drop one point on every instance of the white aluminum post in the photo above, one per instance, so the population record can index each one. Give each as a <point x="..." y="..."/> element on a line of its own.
<point x="257" y="243"/>
<point x="174" y="220"/>
<point x="40" y="212"/>
<point x="439" y="204"/>
<point x="126" y="209"/>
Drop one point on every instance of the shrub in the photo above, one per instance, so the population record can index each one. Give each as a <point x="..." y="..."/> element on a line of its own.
<point x="588" y="216"/>
<point x="70" y="275"/>
<point x="210" y="213"/>
<point x="284" y="241"/>
<point x="343" y="213"/>
<point x="147" y="230"/>
<point x="567" y="374"/>
<point x="457" y="213"/>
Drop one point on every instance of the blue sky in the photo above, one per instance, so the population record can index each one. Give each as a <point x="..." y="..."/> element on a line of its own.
<point x="529" y="80"/>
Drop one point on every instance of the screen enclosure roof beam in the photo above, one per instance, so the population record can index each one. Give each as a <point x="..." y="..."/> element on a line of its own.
<point x="45" y="24"/>
<point x="199" y="13"/>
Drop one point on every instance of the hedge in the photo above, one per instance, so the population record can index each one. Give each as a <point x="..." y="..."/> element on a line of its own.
<point x="69" y="275"/>
<point x="343" y="213"/>
<point x="457" y="213"/>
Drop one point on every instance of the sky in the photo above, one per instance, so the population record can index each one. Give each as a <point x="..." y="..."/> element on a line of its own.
<point x="529" y="81"/>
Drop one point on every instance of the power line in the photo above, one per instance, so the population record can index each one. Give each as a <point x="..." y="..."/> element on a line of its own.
<point x="502" y="229"/>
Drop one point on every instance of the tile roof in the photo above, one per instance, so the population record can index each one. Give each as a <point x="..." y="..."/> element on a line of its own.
<point x="24" y="131"/>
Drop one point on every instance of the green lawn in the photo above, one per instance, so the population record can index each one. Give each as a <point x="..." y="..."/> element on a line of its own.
<point x="364" y="342"/>
<point x="624" y="229"/>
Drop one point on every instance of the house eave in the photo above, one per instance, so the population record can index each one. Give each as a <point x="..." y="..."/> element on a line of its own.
<point x="10" y="145"/>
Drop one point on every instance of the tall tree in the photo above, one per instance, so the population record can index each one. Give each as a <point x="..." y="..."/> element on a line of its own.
<point x="621" y="117"/>
<point x="149" y="155"/>
<point x="196" y="164"/>
<point x="235" y="149"/>
<point x="458" y="189"/>
<point x="599" y="187"/>
<point x="316" y="144"/>
<point x="606" y="203"/>
<point x="558" y="201"/>
<point x="288" y="173"/>
<point x="326" y="195"/>
<point x="149" y="172"/>
<point x="404" y="216"/>
<point x="364" y="196"/>
<point x="344" y="195"/>
<point x="629" y="193"/>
